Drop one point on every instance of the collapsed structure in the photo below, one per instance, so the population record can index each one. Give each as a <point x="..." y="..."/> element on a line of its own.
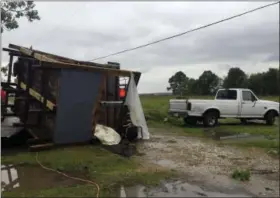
<point x="61" y="100"/>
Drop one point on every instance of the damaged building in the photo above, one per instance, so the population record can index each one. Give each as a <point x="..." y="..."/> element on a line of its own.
<point x="65" y="101"/>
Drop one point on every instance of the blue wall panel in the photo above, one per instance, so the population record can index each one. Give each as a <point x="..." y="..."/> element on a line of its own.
<point x="77" y="97"/>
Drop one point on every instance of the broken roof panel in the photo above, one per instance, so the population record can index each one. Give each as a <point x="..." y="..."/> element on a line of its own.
<point x="55" y="61"/>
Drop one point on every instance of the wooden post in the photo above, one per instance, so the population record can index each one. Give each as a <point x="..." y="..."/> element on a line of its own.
<point x="106" y="98"/>
<point x="43" y="103"/>
<point x="10" y="68"/>
<point x="9" y="80"/>
<point x="29" y="81"/>
<point x="96" y="107"/>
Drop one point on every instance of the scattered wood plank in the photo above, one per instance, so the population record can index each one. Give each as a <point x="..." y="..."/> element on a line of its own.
<point x="40" y="147"/>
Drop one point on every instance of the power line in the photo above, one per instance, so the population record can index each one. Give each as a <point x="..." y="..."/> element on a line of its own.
<point x="183" y="33"/>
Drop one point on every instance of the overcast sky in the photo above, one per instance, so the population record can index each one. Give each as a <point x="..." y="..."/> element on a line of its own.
<point x="86" y="30"/>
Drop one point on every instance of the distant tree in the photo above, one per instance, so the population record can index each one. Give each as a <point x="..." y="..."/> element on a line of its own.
<point x="256" y="83"/>
<point x="193" y="86"/>
<point x="208" y="83"/>
<point x="11" y="11"/>
<point x="265" y="83"/>
<point x="178" y="83"/>
<point x="271" y="81"/>
<point x="236" y="78"/>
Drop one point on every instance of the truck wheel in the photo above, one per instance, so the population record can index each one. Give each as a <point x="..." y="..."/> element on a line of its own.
<point x="210" y="119"/>
<point x="270" y="118"/>
<point x="190" y="120"/>
<point x="243" y="121"/>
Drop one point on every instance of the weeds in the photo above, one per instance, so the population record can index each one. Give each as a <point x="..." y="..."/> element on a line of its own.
<point x="241" y="175"/>
<point x="171" y="141"/>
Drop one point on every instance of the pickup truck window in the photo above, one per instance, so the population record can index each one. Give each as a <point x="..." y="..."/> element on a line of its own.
<point x="248" y="96"/>
<point x="227" y="95"/>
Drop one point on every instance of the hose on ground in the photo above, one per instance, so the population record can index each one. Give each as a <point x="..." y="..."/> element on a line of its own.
<point x="70" y="177"/>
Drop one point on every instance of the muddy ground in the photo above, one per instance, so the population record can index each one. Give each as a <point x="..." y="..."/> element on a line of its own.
<point x="209" y="166"/>
<point x="204" y="168"/>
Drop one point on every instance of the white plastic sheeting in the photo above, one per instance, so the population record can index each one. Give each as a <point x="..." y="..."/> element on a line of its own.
<point x="135" y="107"/>
<point x="7" y="128"/>
<point x="107" y="135"/>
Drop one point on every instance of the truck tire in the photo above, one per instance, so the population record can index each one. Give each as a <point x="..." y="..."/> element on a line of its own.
<point x="190" y="120"/>
<point x="270" y="118"/>
<point x="210" y="119"/>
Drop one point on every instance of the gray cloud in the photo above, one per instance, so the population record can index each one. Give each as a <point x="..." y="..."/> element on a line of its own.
<point x="274" y="57"/>
<point x="224" y="46"/>
<point x="87" y="30"/>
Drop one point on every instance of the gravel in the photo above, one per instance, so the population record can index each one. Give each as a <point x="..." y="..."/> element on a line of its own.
<point x="207" y="160"/>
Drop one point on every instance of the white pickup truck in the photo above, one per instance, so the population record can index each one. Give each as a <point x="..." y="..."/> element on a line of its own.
<point x="242" y="104"/>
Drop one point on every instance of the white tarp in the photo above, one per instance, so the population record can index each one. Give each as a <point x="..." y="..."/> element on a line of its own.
<point x="135" y="107"/>
<point x="7" y="128"/>
<point x="107" y="135"/>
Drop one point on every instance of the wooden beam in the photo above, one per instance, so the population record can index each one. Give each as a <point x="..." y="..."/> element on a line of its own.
<point x="56" y="57"/>
<point x="31" y="52"/>
<point x="16" y="53"/>
<point x="108" y="71"/>
<point x="38" y="96"/>
<point x="40" y="147"/>
<point x="49" y="62"/>
<point x="96" y="107"/>
<point x="9" y="50"/>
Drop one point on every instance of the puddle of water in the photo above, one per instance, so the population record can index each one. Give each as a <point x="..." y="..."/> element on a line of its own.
<point x="224" y="136"/>
<point x="166" y="163"/>
<point x="174" y="189"/>
<point x="24" y="178"/>
<point x="134" y="191"/>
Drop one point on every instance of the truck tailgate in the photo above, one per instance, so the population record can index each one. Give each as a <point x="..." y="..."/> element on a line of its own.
<point x="177" y="105"/>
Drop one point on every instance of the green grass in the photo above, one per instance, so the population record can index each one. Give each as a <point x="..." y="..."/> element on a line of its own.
<point x="107" y="169"/>
<point x="241" y="175"/>
<point x="266" y="144"/>
<point x="156" y="112"/>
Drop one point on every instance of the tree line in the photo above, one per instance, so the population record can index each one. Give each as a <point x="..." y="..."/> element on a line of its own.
<point x="263" y="83"/>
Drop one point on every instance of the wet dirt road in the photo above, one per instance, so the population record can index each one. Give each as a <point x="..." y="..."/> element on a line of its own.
<point x="209" y="166"/>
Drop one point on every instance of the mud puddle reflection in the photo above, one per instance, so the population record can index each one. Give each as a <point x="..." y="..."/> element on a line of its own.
<point x="223" y="135"/>
<point x="26" y="178"/>
<point x="174" y="189"/>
